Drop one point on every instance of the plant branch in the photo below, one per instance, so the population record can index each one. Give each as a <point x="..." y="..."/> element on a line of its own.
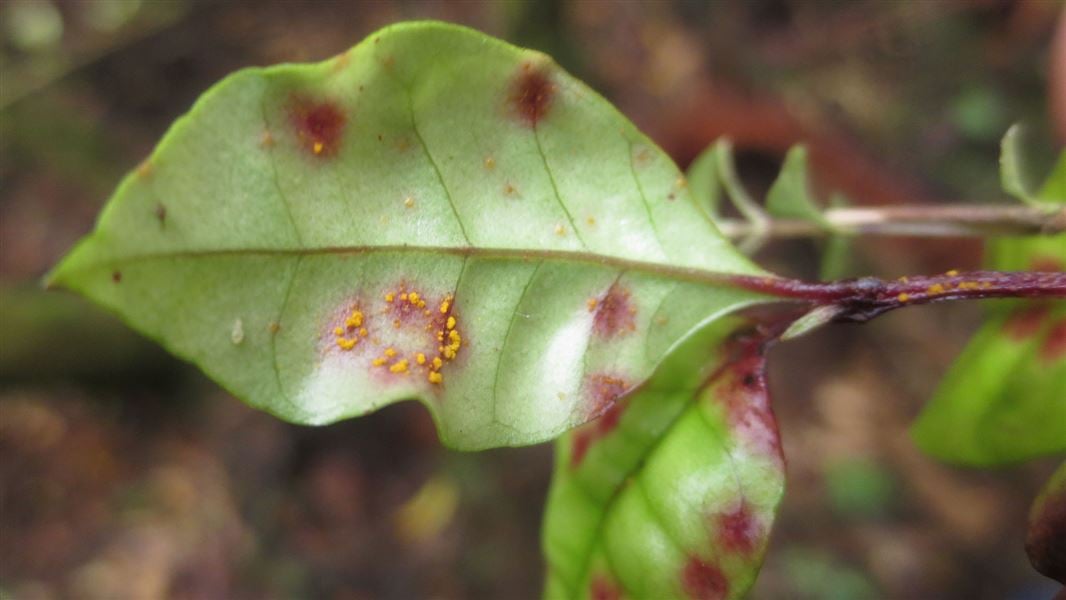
<point x="913" y="220"/>
<point x="865" y="298"/>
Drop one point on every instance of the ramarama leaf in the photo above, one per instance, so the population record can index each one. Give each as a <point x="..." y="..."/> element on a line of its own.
<point x="435" y="215"/>
<point x="1002" y="400"/>
<point x="671" y="493"/>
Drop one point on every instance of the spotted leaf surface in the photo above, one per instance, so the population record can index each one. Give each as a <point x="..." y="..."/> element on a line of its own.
<point x="672" y="493"/>
<point x="432" y="215"/>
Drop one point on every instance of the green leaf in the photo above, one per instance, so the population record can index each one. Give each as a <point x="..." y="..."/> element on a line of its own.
<point x="1023" y="174"/>
<point x="297" y="204"/>
<point x="1046" y="540"/>
<point x="1002" y="400"/>
<point x="837" y="259"/>
<point x="790" y="195"/>
<point x="703" y="182"/>
<point x="672" y="493"/>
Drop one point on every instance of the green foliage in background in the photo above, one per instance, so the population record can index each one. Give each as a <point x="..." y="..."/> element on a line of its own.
<point x="1002" y="400"/>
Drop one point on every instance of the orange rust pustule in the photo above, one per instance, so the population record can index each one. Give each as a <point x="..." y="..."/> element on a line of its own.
<point x="614" y="313"/>
<point x="702" y="580"/>
<point x="1054" y="346"/>
<point x="319" y="125"/>
<point x="532" y="93"/>
<point x="738" y="531"/>
<point x="602" y="588"/>
<point x="1026" y="322"/>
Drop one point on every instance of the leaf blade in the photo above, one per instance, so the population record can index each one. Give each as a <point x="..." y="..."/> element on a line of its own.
<point x="292" y="197"/>
<point x="673" y="493"/>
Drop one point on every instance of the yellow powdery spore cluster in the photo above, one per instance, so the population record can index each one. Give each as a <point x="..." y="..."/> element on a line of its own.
<point x="449" y="341"/>
<point x="348" y="336"/>
<point x="938" y="289"/>
<point x="443" y="326"/>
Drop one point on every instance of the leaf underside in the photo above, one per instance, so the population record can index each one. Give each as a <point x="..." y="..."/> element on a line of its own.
<point x="432" y="215"/>
<point x="673" y="492"/>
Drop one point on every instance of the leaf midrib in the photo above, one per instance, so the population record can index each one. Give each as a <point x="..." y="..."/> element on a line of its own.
<point x="693" y="274"/>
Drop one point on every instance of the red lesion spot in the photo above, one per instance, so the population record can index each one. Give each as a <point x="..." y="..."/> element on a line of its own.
<point x="1026" y="322"/>
<point x="602" y="588"/>
<point x="318" y="124"/>
<point x="738" y="530"/>
<point x="614" y="313"/>
<point x="703" y="581"/>
<point x="603" y="393"/>
<point x="739" y="386"/>
<point x="1054" y="346"/>
<point x="116" y="276"/>
<point x="532" y="93"/>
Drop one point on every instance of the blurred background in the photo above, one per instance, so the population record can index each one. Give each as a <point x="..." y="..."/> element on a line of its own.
<point x="124" y="473"/>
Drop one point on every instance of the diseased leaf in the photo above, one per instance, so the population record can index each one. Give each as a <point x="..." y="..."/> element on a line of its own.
<point x="671" y="493"/>
<point x="435" y="215"/>
<point x="1002" y="400"/>
<point x="1046" y="541"/>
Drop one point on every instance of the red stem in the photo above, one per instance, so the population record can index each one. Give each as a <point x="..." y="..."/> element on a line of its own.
<point x="865" y="298"/>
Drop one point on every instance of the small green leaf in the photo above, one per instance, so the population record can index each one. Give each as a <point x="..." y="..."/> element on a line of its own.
<point x="703" y="182"/>
<point x="837" y="259"/>
<point x="814" y="319"/>
<point x="790" y="195"/>
<point x="1002" y="400"/>
<point x="672" y="493"/>
<point x="432" y="215"/>
<point x="1023" y="174"/>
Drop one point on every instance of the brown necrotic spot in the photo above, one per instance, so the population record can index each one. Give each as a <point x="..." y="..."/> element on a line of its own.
<point x="319" y="125"/>
<point x="116" y="276"/>
<point x="1054" y="346"/>
<point x="614" y="313"/>
<point x="532" y="93"/>
<point x="738" y="531"/>
<point x="703" y="581"/>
